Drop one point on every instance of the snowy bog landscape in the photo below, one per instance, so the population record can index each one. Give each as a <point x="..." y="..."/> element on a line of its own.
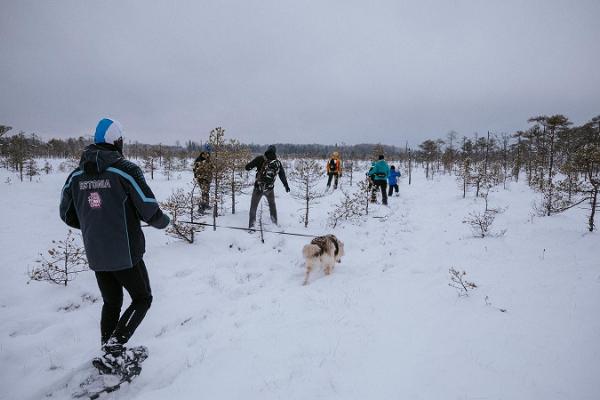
<point x="478" y="280"/>
<point x="232" y="320"/>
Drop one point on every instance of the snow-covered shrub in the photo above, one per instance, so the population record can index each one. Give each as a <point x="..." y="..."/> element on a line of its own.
<point x="458" y="282"/>
<point x="64" y="261"/>
<point x="352" y="207"/>
<point x="182" y="206"/>
<point x="480" y="222"/>
<point x="68" y="165"/>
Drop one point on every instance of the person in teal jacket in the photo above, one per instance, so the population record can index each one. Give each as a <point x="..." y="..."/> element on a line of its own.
<point x="379" y="174"/>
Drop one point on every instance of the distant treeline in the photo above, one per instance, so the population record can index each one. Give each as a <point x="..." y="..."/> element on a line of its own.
<point x="558" y="159"/>
<point x="24" y="144"/>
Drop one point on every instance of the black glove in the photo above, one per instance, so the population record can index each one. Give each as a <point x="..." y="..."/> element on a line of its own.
<point x="287" y="189"/>
<point x="159" y="220"/>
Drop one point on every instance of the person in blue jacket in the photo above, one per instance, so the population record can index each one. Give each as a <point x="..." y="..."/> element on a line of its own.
<point x="393" y="180"/>
<point x="106" y="197"/>
<point x="379" y="173"/>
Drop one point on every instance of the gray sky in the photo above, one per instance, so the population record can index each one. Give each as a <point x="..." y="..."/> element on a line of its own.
<point x="296" y="71"/>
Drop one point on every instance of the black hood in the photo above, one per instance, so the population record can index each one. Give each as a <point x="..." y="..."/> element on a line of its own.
<point x="96" y="158"/>
<point x="270" y="153"/>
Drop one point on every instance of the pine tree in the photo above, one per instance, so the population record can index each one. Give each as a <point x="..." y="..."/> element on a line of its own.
<point x="353" y="205"/>
<point x="585" y="162"/>
<point x="219" y="161"/>
<point x="64" y="261"/>
<point x="306" y="175"/>
<point x="31" y="168"/>
<point x="236" y="155"/>
<point x="430" y="152"/>
<point x="182" y="206"/>
<point x="47" y="168"/>
<point x="168" y="164"/>
<point x="150" y="159"/>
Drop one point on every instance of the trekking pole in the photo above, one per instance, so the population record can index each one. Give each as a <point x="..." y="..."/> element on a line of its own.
<point x="262" y="237"/>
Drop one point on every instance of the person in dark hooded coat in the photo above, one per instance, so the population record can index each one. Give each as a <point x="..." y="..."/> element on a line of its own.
<point x="106" y="197"/>
<point x="268" y="167"/>
<point x="203" y="173"/>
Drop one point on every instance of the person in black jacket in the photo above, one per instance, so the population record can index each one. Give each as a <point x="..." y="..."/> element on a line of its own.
<point x="106" y="197"/>
<point x="268" y="167"/>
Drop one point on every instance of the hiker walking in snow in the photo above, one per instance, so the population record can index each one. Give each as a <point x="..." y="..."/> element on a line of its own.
<point x="393" y="180"/>
<point x="267" y="168"/>
<point x="334" y="169"/>
<point x="106" y="197"/>
<point x="203" y="170"/>
<point x="379" y="174"/>
<point x="371" y="187"/>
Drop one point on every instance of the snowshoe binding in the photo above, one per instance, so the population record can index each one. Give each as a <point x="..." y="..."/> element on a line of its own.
<point x="120" y="360"/>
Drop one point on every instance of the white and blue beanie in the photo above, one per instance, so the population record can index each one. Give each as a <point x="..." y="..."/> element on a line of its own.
<point x="108" y="131"/>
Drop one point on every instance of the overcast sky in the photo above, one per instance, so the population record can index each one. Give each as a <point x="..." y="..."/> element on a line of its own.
<point x="296" y="71"/>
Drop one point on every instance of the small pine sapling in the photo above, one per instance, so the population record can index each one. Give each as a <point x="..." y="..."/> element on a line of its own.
<point x="480" y="222"/>
<point x="182" y="162"/>
<point x="306" y="175"/>
<point x="458" y="282"/>
<point x="47" y="168"/>
<point x="236" y="154"/>
<point x="219" y="161"/>
<point x="62" y="264"/>
<point x="182" y="205"/>
<point x="352" y="207"/>
<point x="168" y="164"/>
<point x="31" y="168"/>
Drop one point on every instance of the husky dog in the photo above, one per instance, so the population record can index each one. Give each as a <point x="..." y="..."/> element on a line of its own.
<point x="326" y="250"/>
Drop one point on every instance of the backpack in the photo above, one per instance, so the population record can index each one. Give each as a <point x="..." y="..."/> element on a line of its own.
<point x="268" y="173"/>
<point x="332" y="165"/>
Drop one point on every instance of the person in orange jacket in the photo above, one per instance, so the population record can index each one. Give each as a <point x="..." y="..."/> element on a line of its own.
<point x="334" y="169"/>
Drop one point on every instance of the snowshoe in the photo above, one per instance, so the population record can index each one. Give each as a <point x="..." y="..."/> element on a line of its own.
<point x="119" y="360"/>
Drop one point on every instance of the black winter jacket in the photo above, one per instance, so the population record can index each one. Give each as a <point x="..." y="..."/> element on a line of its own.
<point x="258" y="162"/>
<point x="106" y="197"/>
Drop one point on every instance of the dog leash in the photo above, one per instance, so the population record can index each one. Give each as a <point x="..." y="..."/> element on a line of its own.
<point x="249" y="229"/>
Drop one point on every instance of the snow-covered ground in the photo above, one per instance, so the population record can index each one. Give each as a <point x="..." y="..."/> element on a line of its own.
<point x="231" y="320"/>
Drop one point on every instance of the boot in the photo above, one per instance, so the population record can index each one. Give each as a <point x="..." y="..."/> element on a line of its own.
<point x="119" y="360"/>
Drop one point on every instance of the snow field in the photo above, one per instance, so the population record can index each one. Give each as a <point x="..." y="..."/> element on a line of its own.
<point x="231" y="320"/>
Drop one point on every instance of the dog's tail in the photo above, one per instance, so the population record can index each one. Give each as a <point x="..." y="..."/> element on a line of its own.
<point x="311" y="250"/>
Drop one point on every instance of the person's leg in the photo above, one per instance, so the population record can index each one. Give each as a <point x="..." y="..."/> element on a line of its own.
<point x="272" y="206"/>
<point x="384" y="192"/>
<point x="335" y="182"/>
<point x="330" y="176"/>
<point x="135" y="281"/>
<point x="373" y="187"/>
<point x="112" y="296"/>
<point x="390" y="191"/>
<point x="205" y="188"/>
<point x="396" y="188"/>
<point x="256" y="196"/>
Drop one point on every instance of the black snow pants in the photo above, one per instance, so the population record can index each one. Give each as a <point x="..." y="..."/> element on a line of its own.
<point x="257" y="194"/>
<point x="135" y="281"/>
<point x="392" y="188"/>
<point x="335" y="183"/>
<point x="379" y="184"/>
<point x="205" y="193"/>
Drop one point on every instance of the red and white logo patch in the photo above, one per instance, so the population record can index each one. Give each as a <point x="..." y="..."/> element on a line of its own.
<point x="95" y="200"/>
